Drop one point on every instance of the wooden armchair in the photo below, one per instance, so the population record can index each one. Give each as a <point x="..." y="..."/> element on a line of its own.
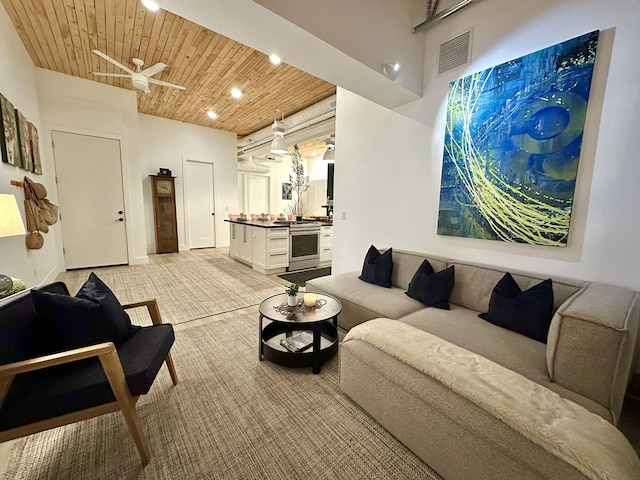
<point x="40" y="389"/>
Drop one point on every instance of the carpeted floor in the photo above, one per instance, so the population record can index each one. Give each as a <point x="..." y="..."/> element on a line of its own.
<point x="301" y="277"/>
<point x="229" y="417"/>
<point x="200" y="285"/>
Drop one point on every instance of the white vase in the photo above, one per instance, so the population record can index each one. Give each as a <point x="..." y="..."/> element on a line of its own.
<point x="292" y="300"/>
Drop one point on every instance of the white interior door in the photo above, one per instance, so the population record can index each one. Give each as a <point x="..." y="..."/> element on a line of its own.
<point x="199" y="204"/>
<point x="90" y="193"/>
<point x="258" y="194"/>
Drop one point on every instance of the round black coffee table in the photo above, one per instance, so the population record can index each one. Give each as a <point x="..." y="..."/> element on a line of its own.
<point x="320" y="323"/>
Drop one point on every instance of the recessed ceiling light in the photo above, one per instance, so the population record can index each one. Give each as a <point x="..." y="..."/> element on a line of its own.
<point x="213" y="115"/>
<point x="236" y="93"/>
<point x="151" y="5"/>
<point x="275" y="59"/>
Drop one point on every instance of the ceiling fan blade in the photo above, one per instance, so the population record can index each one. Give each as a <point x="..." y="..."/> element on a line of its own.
<point x="152" y="70"/>
<point x="115" y="62"/>
<point x="121" y="75"/>
<point x="166" y="84"/>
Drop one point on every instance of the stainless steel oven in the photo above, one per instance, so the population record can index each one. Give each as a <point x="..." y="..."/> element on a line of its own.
<point x="304" y="245"/>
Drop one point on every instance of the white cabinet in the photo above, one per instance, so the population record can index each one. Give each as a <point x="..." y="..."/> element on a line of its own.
<point x="265" y="249"/>
<point x="258" y="257"/>
<point x="240" y="247"/>
<point x="234" y="233"/>
<point x="270" y="250"/>
<point x="326" y="245"/>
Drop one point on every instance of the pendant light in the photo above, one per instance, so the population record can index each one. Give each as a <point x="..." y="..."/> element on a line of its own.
<point x="278" y="145"/>
<point x="330" y="153"/>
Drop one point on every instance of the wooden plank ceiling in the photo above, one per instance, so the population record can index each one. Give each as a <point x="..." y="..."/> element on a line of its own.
<point x="60" y="34"/>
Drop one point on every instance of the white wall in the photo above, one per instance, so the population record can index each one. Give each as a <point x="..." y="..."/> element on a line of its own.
<point x="168" y="144"/>
<point x="18" y="85"/>
<point x="393" y="41"/>
<point x="82" y="106"/>
<point x="389" y="189"/>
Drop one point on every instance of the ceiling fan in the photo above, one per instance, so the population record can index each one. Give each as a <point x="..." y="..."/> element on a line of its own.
<point x="139" y="78"/>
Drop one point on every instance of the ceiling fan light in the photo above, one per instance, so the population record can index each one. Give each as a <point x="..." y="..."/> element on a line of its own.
<point x="139" y="81"/>
<point x="151" y="5"/>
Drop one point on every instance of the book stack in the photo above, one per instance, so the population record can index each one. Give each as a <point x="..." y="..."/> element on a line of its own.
<point x="298" y="342"/>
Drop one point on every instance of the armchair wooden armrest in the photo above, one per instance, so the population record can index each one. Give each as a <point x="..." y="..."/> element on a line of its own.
<point x="9" y="371"/>
<point x="152" y="308"/>
<point x="156" y="319"/>
<point x="112" y="367"/>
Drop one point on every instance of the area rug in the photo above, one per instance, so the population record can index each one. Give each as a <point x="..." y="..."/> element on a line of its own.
<point x="230" y="417"/>
<point x="301" y="277"/>
<point x="187" y="290"/>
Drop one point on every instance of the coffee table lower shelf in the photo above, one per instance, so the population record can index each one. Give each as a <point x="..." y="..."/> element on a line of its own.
<point x="276" y="353"/>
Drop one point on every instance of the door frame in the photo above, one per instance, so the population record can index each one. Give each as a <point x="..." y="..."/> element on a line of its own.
<point x="185" y="186"/>
<point x="126" y="190"/>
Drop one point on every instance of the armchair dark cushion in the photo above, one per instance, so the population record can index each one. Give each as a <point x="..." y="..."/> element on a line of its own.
<point x="36" y="400"/>
<point x="58" y="390"/>
<point x="93" y="316"/>
<point x="22" y="336"/>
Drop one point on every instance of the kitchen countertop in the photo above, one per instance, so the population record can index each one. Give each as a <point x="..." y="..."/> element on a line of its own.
<point x="273" y="224"/>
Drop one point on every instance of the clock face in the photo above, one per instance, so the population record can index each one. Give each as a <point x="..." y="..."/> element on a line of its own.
<point x="163" y="186"/>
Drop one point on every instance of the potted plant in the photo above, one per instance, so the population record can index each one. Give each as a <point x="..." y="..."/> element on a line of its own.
<point x="299" y="182"/>
<point x="292" y="292"/>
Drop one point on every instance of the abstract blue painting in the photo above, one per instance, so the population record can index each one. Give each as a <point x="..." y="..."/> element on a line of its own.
<point x="512" y="144"/>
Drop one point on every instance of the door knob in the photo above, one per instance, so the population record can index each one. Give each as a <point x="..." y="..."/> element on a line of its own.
<point x="121" y="219"/>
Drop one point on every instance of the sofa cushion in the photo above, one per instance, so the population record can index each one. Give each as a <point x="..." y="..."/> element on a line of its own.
<point x="521" y="354"/>
<point x="474" y="285"/>
<point x="384" y="302"/>
<point x="527" y="312"/>
<point x="406" y="263"/>
<point x="93" y="316"/>
<point x="431" y="288"/>
<point x="377" y="267"/>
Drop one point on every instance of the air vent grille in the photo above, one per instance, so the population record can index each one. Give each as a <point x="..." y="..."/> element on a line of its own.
<point x="455" y="53"/>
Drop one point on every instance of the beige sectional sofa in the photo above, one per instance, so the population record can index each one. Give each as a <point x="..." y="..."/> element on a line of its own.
<point x="396" y="373"/>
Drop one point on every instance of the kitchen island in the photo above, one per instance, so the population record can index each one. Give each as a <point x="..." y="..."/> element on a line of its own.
<point x="272" y="247"/>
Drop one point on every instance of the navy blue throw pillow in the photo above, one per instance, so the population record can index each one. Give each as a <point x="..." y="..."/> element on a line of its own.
<point x="431" y="288"/>
<point x="377" y="267"/>
<point x="93" y="316"/>
<point x="528" y="313"/>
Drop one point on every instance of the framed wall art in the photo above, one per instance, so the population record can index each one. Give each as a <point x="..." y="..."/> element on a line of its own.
<point x="512" y="145"/>
<point x="287" y="189"/>
<point x="9" y="133"/>
<point x="34" y="148"/>
<point x="26" y="162"/>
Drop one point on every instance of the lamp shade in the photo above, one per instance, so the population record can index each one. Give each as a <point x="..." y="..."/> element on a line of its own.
<point x="278" y="145"/>
<point x="330" y="153"/>
<point x="10" y="219"/>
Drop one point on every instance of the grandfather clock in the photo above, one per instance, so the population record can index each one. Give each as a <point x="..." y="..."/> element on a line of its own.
<point x="164" y="209"/>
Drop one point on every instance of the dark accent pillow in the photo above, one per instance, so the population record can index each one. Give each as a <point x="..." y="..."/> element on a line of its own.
<point x="431" y="288"/>
<point x="93" y="316"/>
<point x="377" y="267"/>
<point x="528" y="313"/>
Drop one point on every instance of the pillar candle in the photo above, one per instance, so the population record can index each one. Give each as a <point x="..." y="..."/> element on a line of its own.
<point x="310" y="300"/>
